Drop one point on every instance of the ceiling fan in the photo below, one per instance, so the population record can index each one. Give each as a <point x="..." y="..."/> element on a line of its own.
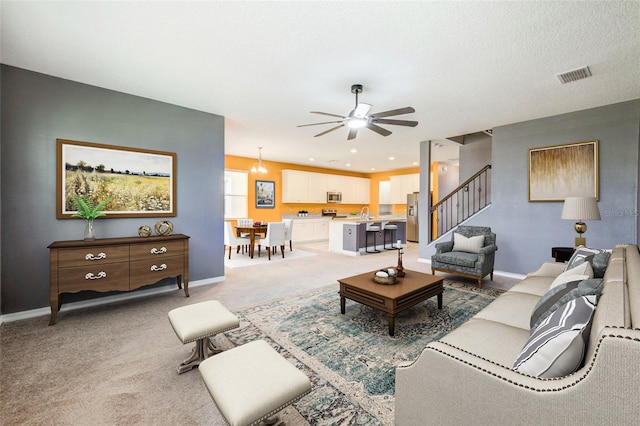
<point x="359" y="118"/>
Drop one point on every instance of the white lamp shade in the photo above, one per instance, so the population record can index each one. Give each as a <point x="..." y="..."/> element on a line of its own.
<point x="580" y="208"/>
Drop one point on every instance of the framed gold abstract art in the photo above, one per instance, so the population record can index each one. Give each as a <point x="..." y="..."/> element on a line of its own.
<point x="560" y="171"/>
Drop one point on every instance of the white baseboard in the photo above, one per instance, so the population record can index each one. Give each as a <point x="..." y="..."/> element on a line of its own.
<point x="17" y="316"/>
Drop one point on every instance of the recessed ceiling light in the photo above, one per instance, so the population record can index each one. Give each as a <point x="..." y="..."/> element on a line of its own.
<point x="415" y="163"/>
<point x="348" y="164"/>
<point x="353" y="150"/>
<point x="373" y="168"/>
<point x="312" y="159"/>
<point x="392" y="158"/>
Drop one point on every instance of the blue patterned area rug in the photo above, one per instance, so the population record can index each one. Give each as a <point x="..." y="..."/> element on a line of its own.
<point x="351" y="358"/>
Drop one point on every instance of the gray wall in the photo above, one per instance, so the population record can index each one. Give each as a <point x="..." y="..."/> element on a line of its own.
<point x="37" y="109"/>
<point x="474" y="154"/>
<point x="526" y="231"/>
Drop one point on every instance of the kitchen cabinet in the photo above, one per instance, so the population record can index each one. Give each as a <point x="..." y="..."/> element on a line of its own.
<point x="355" y="190"/>
<point x="305" y="230"/>
<point x="321" y="230"/>
<point x="295" y="186"/>
<point x="401" y="185"/>
<point x="317" y="188"/>
<point x="334" y="183"/>
<point x="309" y="187"/>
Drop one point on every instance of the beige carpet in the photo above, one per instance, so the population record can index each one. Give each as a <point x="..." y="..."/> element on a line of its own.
<point x="116" y="364"/>
<point x="240" y="260"/>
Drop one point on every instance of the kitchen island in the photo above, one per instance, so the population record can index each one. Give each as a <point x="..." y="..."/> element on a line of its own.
<point x="348" y="235"/>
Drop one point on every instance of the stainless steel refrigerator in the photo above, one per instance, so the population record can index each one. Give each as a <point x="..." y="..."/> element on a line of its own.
<point x="412" y="217"/>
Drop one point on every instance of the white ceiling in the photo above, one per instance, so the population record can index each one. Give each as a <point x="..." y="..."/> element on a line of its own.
<point x="464" y="66"/>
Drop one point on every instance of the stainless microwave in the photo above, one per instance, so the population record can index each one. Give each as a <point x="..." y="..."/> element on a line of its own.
<point x="334" y="197"/>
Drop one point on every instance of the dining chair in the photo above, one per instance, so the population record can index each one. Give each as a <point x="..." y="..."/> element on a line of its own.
<point x="288" y="232"/>
<point x="273" y="239"/>
<point x="230" y="239"/>
<point x="245" y="222"/>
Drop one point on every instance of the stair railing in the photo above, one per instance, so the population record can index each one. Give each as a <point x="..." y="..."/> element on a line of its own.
<point x="467" y="199"/>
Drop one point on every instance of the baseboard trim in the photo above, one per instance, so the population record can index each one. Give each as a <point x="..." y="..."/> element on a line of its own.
<point x="17" y="316"/>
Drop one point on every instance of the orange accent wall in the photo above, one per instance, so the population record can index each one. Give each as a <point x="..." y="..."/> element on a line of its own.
<point x="274" y="173"/>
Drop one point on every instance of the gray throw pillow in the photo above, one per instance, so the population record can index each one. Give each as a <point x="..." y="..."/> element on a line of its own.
<point x="585" y="254"/>
<point x="561" y="294"/>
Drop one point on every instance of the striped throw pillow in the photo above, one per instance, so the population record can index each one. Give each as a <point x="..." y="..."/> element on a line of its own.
<point x="556" y="348"/>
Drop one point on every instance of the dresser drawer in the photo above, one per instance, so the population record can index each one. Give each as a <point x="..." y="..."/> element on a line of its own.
<point x="92" y="255"/>
<point x="158" y="250"/>
<point x="105" y="277"/>
<point x="150" y="271"/>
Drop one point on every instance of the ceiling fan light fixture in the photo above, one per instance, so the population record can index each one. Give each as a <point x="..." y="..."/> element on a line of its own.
<point x="361" y="110"/>
<point x="359" y="117"/>
<point x="357" y="123"/>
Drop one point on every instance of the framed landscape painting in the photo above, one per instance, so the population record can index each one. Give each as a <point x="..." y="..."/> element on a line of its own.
<point x="557" y="172"/>
<point x="138" y="182"/>
<point x="265" y="194"/>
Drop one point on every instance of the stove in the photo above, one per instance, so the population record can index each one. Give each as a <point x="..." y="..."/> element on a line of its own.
<point x="329" y="212"/>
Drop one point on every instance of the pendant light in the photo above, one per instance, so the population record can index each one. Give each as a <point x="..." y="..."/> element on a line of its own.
<point x="259" y="167"/>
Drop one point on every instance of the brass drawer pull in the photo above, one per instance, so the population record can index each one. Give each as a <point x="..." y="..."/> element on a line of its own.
<point x="100" y="256"/>
<point x="162" y="267"/>
<point x="90" y="276"/>
<point x="156" y="251"/>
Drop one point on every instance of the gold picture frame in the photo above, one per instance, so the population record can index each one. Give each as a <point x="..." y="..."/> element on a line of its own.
<point x="138" y="182"/>
<point x="560" y="171"/>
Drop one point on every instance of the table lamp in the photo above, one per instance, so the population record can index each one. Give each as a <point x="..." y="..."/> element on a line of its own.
<point x="580" y="209"/>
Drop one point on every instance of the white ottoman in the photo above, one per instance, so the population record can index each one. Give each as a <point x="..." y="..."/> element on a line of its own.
<point x="197" y="323"/>
<point x="252" y="382"/>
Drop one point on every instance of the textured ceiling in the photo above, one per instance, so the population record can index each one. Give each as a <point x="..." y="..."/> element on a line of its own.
<point x="464" y="66"/>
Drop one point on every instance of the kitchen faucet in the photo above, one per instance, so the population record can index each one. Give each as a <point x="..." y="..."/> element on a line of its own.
<point x="364" y="216"/>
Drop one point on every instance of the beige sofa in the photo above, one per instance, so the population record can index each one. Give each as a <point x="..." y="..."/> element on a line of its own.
<point x="466" y="378"/>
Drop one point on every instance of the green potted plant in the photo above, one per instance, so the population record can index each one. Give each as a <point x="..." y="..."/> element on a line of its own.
<point x="88" y="211"/>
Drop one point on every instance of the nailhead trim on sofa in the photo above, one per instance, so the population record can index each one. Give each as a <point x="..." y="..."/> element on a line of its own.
<point x="595" y="355"/>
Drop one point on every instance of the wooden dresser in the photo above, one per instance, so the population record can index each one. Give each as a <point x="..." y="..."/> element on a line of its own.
<point x="121" y="264"/>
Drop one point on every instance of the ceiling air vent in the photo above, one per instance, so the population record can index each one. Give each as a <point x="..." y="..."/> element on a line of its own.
<point x="574" y="75"/>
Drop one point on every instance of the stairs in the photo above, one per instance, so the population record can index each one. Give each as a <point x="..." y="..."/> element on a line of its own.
<point x="466" y="200"/>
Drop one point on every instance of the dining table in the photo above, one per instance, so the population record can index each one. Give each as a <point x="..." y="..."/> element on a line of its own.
<point x="252" y="231"/>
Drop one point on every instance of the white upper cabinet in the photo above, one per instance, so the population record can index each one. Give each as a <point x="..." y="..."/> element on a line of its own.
<point x="401" y="185"/>
<point x="309" y="187"/>
<point x="295" y="186"/>
<point x="317" y="188"/>
<point x="334" y="183"/>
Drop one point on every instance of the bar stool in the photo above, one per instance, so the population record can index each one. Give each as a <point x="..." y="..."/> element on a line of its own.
<point x="371" y="229"/>
<point x="391" y="229"/>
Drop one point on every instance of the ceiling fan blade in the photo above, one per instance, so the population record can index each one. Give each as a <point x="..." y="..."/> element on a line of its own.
<point x="378" y="129"/>
<point x="315" y="124"/>
<point x="327" y="131"/>
<point x="352" y="134"/>
<point x="396" y="122"/>
<point x="398" y="111"/>
<point x="326" y="113"/>
<point x="361" y="110"/>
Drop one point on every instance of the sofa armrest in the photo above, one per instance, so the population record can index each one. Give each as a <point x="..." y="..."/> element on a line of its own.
<point x="444" y="247"/>
<point x="495" y="394"/>
<point x="548" y="269"/>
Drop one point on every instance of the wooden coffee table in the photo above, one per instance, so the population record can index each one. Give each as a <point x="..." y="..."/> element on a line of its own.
<point x="413" y="288"/>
